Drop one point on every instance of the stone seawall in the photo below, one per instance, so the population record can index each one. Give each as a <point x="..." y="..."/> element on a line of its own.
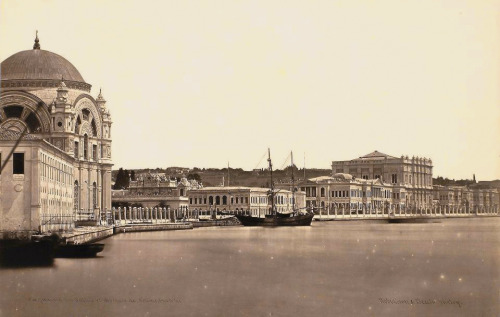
<point x="82" y="235"/>
<point x="216" y="223"/>
<point x="152" y="227"/>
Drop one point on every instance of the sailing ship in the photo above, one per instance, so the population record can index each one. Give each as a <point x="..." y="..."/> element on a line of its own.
<point x="275" y="219"/>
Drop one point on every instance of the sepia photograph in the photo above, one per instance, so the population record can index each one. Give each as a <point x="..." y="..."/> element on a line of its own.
<point x="250" y="158"/>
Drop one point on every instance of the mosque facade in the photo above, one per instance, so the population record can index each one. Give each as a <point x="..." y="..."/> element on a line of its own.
<point x="59" y="170"/>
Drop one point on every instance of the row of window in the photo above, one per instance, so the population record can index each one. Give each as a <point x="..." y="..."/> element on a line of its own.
<point x="218" y="200"/>
<point x="238" y="200"/>
<point x="55" y="191"/>
<point x="85" y="149"/>
<point x="55" y="170"/>
<point x="377" y="193"/>
<point x="55" y="206"/>
<point x="76" y="196"/>
<point x="419" y="179"/>
<point x="262" y="200"/>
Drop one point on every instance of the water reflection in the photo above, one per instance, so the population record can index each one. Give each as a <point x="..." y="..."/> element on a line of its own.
<point x="328" y="269"/>
<point x="16" y="263"/>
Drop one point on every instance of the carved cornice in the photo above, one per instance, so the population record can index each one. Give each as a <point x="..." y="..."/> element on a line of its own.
<point x="44" y="83"/>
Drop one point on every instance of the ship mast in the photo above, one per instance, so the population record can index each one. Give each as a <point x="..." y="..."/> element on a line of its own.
<point x="272" y="183"/>
<point x="293" y="184"/>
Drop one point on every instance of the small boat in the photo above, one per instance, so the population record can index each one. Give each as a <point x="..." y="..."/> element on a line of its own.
<point x="38" y="250"/>
<point x="277" y="219"/>
<point x="78" y="250"/>
<point x="413" y="219"/>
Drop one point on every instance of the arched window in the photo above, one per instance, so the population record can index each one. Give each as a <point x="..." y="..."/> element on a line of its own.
<point x="76" y="196"/>
<point x="94" y="128"/>
<point x="94" y="195"/>
<point x="78" y="123"/>
<point x="15" y="120"/>
<point x="86" y="114"/>
<point x="322" y="192"/>
<point x="13" y="111"/>
<point x="211" y="200"/>
<point x="217" y="200"/>
<point x="224" y="200"/>
<point x="32" y="122"/>
<point x="86" y="147"/>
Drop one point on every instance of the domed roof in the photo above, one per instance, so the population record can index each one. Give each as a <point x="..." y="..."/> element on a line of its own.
<point x="38" y="64"/>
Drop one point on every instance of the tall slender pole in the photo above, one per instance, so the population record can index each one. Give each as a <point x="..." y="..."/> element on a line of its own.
<point x="293" y="184"/>
<point x="304" y="166"/>
<point x="272" y="183"/>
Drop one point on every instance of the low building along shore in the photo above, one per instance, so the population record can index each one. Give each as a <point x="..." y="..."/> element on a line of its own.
<point x="249" y="200"/>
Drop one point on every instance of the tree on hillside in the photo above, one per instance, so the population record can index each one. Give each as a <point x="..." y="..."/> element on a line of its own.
<point x="127" y="178"/>
<point x="122" y="179"/>
<point x="194" y="176"/>
<point x="119" y="182"/>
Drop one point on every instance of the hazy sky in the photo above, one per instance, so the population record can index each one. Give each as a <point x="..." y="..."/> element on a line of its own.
<point x="201" y="83"/>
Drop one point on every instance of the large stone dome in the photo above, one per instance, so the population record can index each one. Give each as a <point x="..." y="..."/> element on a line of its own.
<point x="38" y="64"/>
<point x="39" y="68"/>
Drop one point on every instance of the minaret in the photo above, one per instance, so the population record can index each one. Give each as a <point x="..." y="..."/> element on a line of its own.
<point x="62" y="93"/>
<point x="61" y="115"/>
<point x="106" y="128"/>
<point x="101" y="102"/>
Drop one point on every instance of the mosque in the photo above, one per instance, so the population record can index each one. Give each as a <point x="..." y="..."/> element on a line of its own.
<point x="55" y="146"/>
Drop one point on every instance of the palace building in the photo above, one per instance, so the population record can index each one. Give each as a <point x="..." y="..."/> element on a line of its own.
<point x="254" y="201"/>
<point x="413" y="174"/>
<point x="155" y="190"/>
<point x="343" y="193"/>
<point x="61" y="169"/>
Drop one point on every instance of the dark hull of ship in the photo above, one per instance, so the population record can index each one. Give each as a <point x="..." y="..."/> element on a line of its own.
<point x="78" y="250"/>
<point x="414" y="220"/>
<point x="299" y="220"/>
<point x="14" y="252"/>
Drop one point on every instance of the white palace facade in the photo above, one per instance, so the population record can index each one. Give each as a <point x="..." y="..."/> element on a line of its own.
<point x="413" y="175"/>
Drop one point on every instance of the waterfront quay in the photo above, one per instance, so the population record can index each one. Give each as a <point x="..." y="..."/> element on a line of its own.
<point x="122" y="220"/>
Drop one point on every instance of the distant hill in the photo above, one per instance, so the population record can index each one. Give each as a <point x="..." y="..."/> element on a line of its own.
<point x="488" y="184"/>
<point x="465" y="182"/>
<point x="237" y="176"/>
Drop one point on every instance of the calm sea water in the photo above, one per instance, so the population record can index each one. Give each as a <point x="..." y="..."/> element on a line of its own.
<point x="329" y="269"/>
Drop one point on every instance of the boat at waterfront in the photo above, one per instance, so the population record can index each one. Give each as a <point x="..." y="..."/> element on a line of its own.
<point x="78" y="250"/>
<point x="37" y="250"/>
<point x="275" y="219"/>
<point x="417" y="219"/>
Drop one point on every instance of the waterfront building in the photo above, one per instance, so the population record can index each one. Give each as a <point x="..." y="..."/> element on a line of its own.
<point x="413" y="174"/>
<point x="466" y="199"/>
<point x="249" y="200"/>
<point x="345" y="194"/>
<point x="156" y="190"/>
<point x="61" y="170"/>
